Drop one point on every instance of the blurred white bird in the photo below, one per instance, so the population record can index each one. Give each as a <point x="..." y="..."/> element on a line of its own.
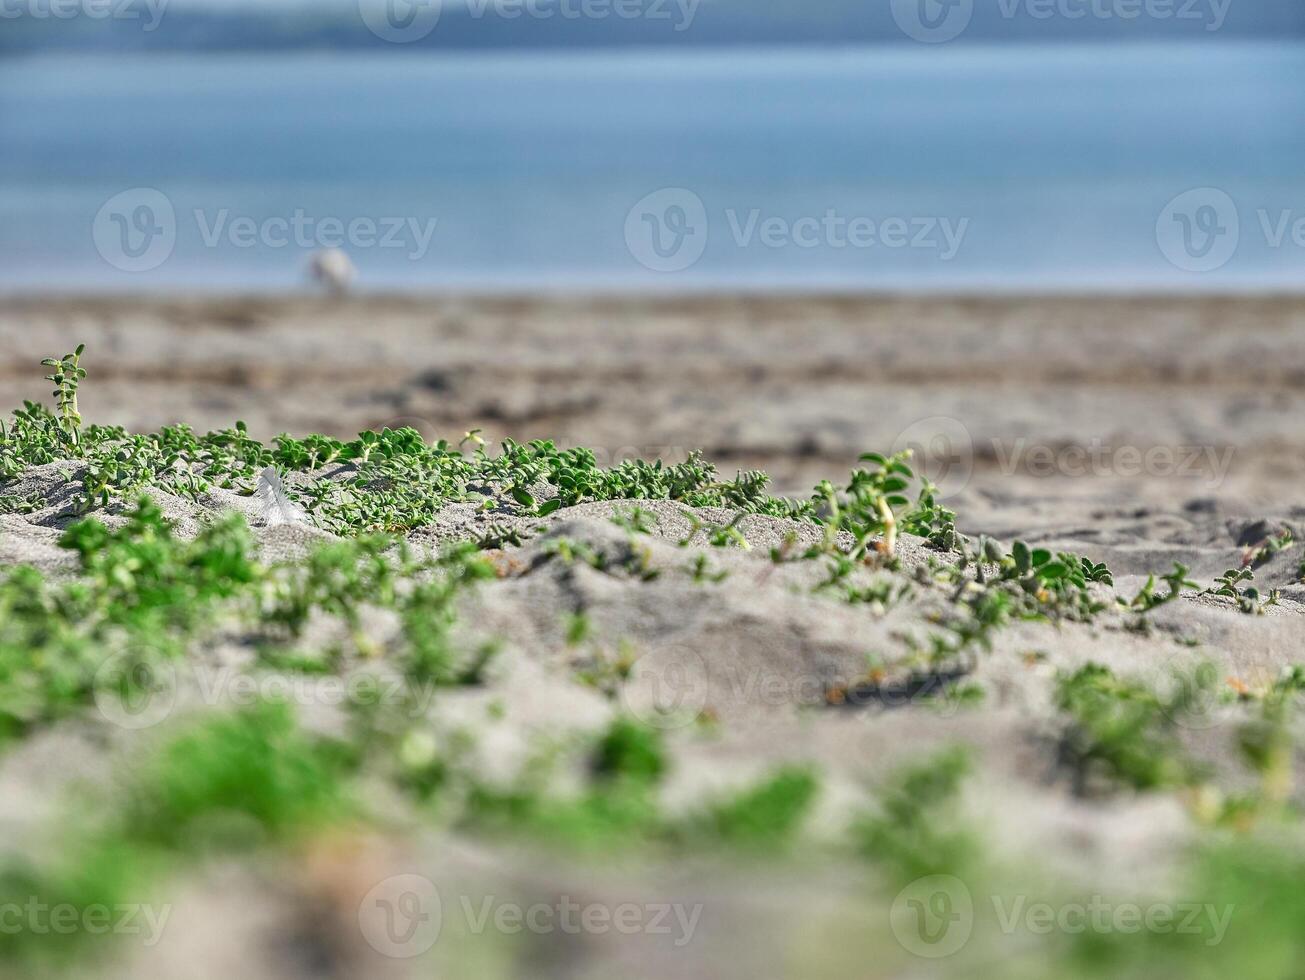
<point x="332" y="269"/>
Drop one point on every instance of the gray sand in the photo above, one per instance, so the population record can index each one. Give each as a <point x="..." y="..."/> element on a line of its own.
<point x="797" y="387"/>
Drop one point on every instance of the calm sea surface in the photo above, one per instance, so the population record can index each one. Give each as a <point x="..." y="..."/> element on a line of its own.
<point x="1000" y="168"/>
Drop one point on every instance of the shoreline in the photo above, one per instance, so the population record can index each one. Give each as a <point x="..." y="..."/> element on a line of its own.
<point x="679" y="292"/>
<point x="798" y="386"/>
<point x="1184" y="296"/>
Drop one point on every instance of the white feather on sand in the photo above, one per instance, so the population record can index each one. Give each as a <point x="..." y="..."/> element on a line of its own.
<point x="275" y="506"/>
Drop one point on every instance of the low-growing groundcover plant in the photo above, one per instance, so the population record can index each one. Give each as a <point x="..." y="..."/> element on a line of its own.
<point x="145" y="594"/>
<point x="142" y="598"/>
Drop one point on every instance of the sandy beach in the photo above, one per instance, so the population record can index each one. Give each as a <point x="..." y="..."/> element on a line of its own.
<point x="652" y="490"/>
<point x="1046" y="388"/>
<point x="1138" y="432"/>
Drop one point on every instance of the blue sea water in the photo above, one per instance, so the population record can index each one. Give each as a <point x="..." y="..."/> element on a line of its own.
<point x="992" y="168"/>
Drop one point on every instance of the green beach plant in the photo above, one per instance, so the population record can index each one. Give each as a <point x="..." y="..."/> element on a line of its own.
<point x="66" y="375"/>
